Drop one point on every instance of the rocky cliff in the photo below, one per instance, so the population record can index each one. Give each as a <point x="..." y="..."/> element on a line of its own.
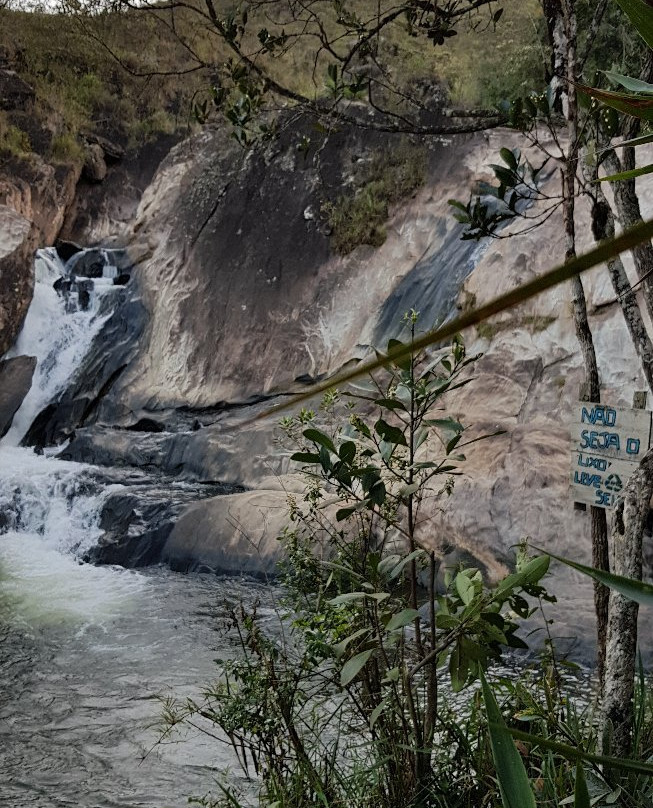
<point x="238" y="298"/>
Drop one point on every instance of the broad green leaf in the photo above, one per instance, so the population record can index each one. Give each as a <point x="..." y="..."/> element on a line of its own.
<point x="554" y="277"/>
<point x="345" y="513"/>
<point x="390" y="404"/>
<point x="628" y="175"/>
<point x="353" y="667"/>
<point x="401" y="619"/>
<point x="465" y="588"/>
<point x="340" y="648"/>
<point x="458" y="668"/>
<point x="574" y="753"/>
<point x="305" y="457"/>
<point x="347" y="451"/>
<point x="399" y="568"/>
<point x="581" y="794"/>
<point x="641" y="16"/>
<point x="389" y="433"/>
<point x="515" y="788"/>
<point x="639" y="591"/>
<point x="445" y="423"/>
<point x="634" y="85"/>
<point x="509" y="158"/>
<point x="320" y="438"/>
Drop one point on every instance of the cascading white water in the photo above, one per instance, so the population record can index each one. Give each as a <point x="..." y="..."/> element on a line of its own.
<point x="84" y="647"/>
<point x="58" y="331"/>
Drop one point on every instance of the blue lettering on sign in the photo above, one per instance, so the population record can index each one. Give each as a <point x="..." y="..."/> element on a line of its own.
<point x="605" y="416"/>
<point x="584" y="478"/>
<point x="632" y="446"/>
<point x="603" y="498"/>
<point x="599" y="463"/>
<point x="589" y="439"/>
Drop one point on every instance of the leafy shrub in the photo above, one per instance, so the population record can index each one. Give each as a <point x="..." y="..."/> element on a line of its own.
<point x="13" y="141"/>
<point x="65" y="148"/>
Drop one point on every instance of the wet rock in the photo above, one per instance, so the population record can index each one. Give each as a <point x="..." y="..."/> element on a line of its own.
<point x="95" y="167"/>
<point x="122" y="279"/>
<point x="88" y="264"/>
<point x="66" y="249"/>
<point x="15" y="382"/>
<point x="84" y="292"/>
<point x="112" y="152"/>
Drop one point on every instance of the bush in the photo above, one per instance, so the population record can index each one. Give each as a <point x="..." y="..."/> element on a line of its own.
<point x="390" y="177"/>
<point x="13" y="141"/>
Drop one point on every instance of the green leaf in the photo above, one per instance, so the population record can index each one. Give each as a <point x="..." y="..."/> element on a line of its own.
<point x="390" y="404"/>
<point x="402" y="361"/>
<point x="390" y="434"/>
<point x="465" y="588"/>
<point x="509" y="159"/>
<point x="623" y="102"/>
<point x="401" y="619"/>
<point x="305" y="457"/>
<point x="641" y="16"/>
<point x="345" y="513"/>
<point x="575" y="753"/>
<point x="340" y="648"/>
<point x="515" y="788"/>
<point x="376" y="714"/>
<point x="581" y="794"/>
<point x="353" y="667"/>
<point x="634" y="85"/>
<point x="628" y="175"/>
<point x="320" y="438"/>
<point x="347" y="451"/>
<point x="399" y="568"/>
<point x="458" y="668"/>
<point x="638" y="591"/>
<point x="445" y="423"/>
<point x="347" y="597"/>
<point x="636" y="141"/>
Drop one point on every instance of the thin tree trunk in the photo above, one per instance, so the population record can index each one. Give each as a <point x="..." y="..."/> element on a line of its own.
<point x="603" y="228"/>
<point x="627" y="528"/>
<point x="592" y="391"/>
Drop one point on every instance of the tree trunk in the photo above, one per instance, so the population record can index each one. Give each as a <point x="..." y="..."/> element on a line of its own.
<point x="627" y="528"/>
<point x="592" y="391"/>
<point x="603" y="228"/>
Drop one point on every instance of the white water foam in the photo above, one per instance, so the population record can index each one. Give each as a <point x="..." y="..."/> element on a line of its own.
<point x="58" y="333"/>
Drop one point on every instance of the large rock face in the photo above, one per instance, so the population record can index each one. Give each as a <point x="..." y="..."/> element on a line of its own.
<point x="15" y="382"/>
<point x="16" y="273"/>
<point x="245" y="301"/>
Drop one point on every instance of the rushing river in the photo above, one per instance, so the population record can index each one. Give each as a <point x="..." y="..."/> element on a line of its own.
<point x="85" y="651"/>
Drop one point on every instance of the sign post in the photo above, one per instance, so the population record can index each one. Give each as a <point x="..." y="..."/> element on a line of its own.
<point x="607" y="445"/>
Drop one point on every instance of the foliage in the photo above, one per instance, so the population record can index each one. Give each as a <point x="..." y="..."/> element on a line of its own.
<point x="388" y="178"/>
<point x="13" y="141"/>
<point x="346" y="707"/>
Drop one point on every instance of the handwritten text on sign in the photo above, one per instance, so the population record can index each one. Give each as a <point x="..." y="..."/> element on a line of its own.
<point x="607" y="445"/>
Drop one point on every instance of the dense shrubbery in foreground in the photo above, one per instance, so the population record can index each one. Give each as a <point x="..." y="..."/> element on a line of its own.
<point x="343" y="703"/>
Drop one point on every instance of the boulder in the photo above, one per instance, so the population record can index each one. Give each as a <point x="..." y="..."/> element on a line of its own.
<point x="88" y="264"/>
<point x="15" y="382"/>
<point x="236" y="533"/>
<point x="95" y="167"/>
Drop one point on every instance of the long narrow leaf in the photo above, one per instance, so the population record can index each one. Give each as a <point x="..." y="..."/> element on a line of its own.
<point x="564" y="272"/>
<point x="628" y="175"/>
<point x="581" y="794"/>
<point x="641" y="16"/>
<point x="638" y="591"/>
<point x="635" y="141"/>
<point x="623" y="102"/>
<point x="634" y="85"/>
<point x="574" y="753"/>
<point x="514" y="785"/>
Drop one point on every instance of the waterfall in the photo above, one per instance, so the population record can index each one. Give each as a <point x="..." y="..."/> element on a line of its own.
<point x="66" y="313"/>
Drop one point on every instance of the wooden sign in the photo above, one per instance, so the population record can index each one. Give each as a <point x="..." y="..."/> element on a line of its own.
<point x="607" y="445"/>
